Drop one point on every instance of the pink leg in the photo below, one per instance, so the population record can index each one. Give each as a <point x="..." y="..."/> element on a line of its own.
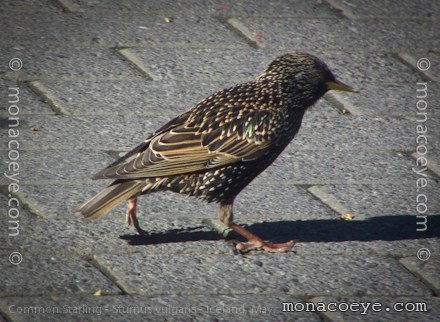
<point x="130" y="216"/>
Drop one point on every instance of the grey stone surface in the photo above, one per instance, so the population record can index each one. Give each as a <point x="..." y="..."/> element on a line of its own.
<point x="239" y="64"/>
<point x="342" y="238"/>
<point x="263" y="274"/>
<point x="280" y="8"/>
<point x="390" y="9"/>
<point x="427" y="266"/>
<point x="139" y="96"/>
<point x="115" y="29"/>
<point x="426" y="63"/>
<point x="237" y="307"/>
<point x="28" y="102"/>
<point x="362" y="133"/>
<point x="60" y="132"/>
<point x="433" y="159"/>
<point x="386" y="34"/>
<point x="340" y="167"/>
<point x="31" y="6"/>
<point x="398" y="99"/>
<point x="51" y="166"/>
<point x="53" y="275"/>
<point x="44" y="61"/>
<point x="408" y="308"/>
<point x="380" y="199"/>
<point x="74" y="237"/>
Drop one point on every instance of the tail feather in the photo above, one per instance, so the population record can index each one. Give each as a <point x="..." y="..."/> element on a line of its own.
<point x="109" y="198"/>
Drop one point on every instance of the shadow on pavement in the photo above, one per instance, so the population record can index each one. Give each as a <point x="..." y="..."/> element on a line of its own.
<point x="397" y="227"/>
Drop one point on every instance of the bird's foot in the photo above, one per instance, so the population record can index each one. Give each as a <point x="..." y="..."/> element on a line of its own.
<point x="130" y="216"/>
<point x="266" y="246"/>
<point x="255" y="242"/>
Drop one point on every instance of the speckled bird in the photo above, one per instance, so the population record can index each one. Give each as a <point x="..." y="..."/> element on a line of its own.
<point x="221" y="144"/>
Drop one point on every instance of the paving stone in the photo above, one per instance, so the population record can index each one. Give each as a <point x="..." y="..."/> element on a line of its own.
<point x="50" y="166"/>
<point x="366" y="133"/>
<point x="389" y="35"/>
<point x="29" y="6"/>
<point x="386" y="86"/>
<point x="292" y="33"/>
<point x="371" y="200"/>
<point x="237" y="63"/>
<point x="341" y="167"/>
<point x="389" y="309"/>
<point x="424" y="62"/>
<point x="268" y="273"/>
<point x="28" y="102"/>
<point x="67" y="237"/>
<point x="390" y="9"/>
<point x="237" y="307"/>
<point x="427" y="266"/>
<point x="54" y="62"/>
<point x="393" y="100"/>
<point x="114" y="29"/>
<point x="61" y="132"/>
<point x="360" y="241"/>
<point x="386" y="34"/>
<point x="126" y="97"/>
<point x="433" y="161"/>
<point x="53" y="275"/>
<point x="236" y="8"/>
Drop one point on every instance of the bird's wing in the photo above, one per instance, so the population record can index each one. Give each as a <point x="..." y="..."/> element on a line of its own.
<point x="182" y="147"/>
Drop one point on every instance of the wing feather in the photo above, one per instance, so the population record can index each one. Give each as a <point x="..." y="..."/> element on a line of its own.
<point x="183" y="146"/>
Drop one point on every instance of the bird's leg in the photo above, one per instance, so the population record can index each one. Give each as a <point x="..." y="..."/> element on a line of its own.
<point x="254" y="242"/>
<point x="130" y="216"/>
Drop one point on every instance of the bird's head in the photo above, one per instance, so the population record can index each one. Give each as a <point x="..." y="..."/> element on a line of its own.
<point x="302" y="76"/>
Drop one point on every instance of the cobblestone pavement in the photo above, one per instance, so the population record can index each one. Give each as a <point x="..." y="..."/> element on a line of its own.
<point x="97" y="76"/>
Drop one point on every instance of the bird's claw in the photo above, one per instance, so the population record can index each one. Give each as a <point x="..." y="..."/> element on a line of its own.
<point x="266" y="246"/>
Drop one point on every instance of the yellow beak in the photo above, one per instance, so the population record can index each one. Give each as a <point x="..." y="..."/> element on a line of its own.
<point x="340" y="86"/>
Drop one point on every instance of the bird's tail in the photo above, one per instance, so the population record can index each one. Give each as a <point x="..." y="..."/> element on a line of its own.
<point x="109" y="198"/>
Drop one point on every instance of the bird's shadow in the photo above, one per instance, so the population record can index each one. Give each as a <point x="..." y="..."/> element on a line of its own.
<point x="388" y="228"/>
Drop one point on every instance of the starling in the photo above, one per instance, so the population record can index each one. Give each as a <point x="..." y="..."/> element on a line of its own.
<point x="221" y="144"/>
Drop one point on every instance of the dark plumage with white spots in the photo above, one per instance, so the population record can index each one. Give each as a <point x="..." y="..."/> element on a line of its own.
<point x="221" y="144"/>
